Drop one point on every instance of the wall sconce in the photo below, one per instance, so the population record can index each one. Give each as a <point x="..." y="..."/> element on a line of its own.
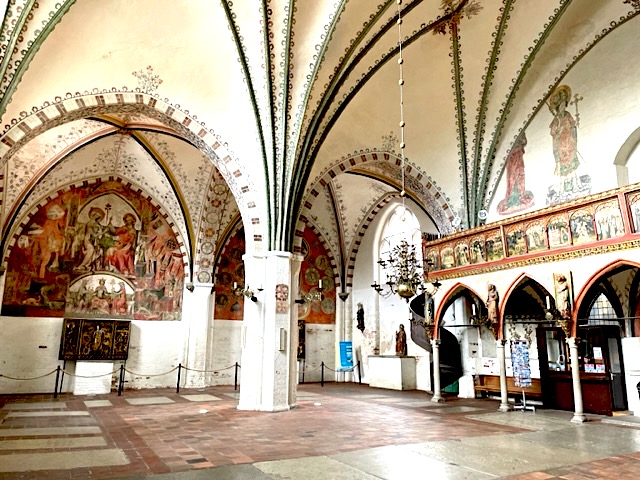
<point x="313" y="296"/>
<point x="246" y="292"/>
<point x="554" y="315"/>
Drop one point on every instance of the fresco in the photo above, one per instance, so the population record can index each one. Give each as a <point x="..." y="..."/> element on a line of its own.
<point x="570" y="181"/>
<point x="230" y="269"/>
<point x="99" y="250"/>
<point x="315" y="267"/>
<point x="517" y="198"/>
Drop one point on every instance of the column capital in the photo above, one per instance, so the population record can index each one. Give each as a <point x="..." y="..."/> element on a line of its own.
<point x="435" y="342"/>
<point x="573" y="341"/>
<point x="501" y="342"/>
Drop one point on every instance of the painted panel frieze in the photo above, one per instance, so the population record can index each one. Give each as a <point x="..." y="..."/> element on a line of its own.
<point x="536" y="234"/>
<point x="433" y="258"/>
<point x="84" y="339"/>
<point x="558" y="230"/>
<point x="609" y="222"/>
<point x="634" y="206"/>
<point x="462" y="254"/>
<point x="477" y="249"/>
<point x="516" y="244"/>
<point x="447" y="259"/>
<point x="494" y="246"/>
<point x="582" y="226"/>
<point x="100" y="250"/>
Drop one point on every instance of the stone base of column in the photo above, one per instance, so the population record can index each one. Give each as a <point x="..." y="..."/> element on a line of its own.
<point x="437" y="399"/>
<point x="579" y="418"/>
<point x="505" y="407"/>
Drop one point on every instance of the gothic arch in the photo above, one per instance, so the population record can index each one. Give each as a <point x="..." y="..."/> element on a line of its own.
<point x="81" y="105"/>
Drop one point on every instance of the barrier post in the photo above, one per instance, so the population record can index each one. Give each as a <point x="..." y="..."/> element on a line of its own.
<point x="55" y="392"/>
<point x="235" y="381"/>
<point x="359" y="374"/>
<point x="322" y="374"/>
<point x="178" y="382"/>
<point x="121" y="382"/>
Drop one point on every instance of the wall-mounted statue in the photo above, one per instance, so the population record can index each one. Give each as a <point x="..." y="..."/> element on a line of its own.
<point x="492" y="304"/>
<point x="360" y="318"/>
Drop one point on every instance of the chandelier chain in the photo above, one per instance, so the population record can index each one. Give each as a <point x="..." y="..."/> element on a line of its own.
<point x="401" y="85"/>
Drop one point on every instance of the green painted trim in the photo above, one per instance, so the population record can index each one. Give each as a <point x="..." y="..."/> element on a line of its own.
<point x="305" y="103"/>
<point x="23" y="65"/>
<point x="561" y="77"/>
<point x="272" y="203"/>
<point x="254" y="102"/>
<point x="308" y="151"/>
<point x="482" y="113"/>
<point x="282" y="221"/>
<point x="461" y="117"/>
<point x="15" y="33"/>
<point x="512" y="94"/>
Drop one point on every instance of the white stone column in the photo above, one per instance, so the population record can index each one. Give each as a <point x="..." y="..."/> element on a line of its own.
<point x="437" y="394"/>
<point x="270" y="333"/>
<point x="502" y="361"/>
<point x="197" y="305"/>
<point x="343" y="332"/>
<point x="578" y="415"/>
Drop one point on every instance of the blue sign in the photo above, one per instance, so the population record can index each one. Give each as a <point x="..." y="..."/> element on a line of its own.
<point x="346" y="355"/>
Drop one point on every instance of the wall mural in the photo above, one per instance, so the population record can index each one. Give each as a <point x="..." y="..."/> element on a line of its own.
<point x="315" y="266"/>
<point x="230" y="269"/>
<point x="569" y="183"/>
<point x="101" y="250"/>
<point x="517" y="197"/>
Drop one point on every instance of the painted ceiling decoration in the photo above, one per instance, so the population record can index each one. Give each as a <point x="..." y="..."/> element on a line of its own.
<point x="268" y="112"/>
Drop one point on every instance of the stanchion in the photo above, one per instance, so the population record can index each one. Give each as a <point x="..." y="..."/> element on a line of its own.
<point x="64" y="366"/>
<point x="359" y="374"/>
<point x="121" y="382"/>
<point x="235" y="381"/>
<point x="55" y="392"/>
<point x="322" y="374"/>
<point x="178" y="382"/>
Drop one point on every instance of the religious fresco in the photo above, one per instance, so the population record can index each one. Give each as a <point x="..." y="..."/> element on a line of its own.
<point x="570" y="182"/>
<point x="230" y="270"/>
<point x="315" y="267"/>
<point x="517" y="198"/>
<point x="94" y="339"/>
<point x="99" y="250"/>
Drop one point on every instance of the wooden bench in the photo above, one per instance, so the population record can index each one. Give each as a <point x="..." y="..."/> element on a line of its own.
<point x="485" y="384"/>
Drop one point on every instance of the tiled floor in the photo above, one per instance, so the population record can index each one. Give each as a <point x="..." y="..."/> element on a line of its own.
<point x="339" y="431"/>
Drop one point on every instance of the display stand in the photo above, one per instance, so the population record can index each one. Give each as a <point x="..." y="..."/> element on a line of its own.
<point x="521" y="371"/>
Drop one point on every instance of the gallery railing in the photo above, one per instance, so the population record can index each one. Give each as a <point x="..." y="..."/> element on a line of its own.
<point x="595" y="224"/>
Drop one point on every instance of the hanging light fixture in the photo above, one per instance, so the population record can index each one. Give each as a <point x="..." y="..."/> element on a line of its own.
<point x="406" y="273"/>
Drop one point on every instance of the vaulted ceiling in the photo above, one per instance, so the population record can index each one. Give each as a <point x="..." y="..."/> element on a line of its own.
<point x="283" y="108"/>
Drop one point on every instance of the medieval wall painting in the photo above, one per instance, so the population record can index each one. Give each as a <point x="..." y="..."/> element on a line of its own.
<point x="558" y="230"/>
<point x="517" y="198"/>
<point x="609" y="220"/>
<point x="315" y="267"/>
<point x="230" y="270"/>
<point x="99" y="250"/>
<point x="570" y="181"/>
<point x="582" y="226"/>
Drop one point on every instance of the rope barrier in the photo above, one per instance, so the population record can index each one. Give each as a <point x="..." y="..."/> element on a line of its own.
<point x="89" y="376"/>
<point x="29" y="378"/>
<point x="150" y="374"/>
<point x="207" y="371"/>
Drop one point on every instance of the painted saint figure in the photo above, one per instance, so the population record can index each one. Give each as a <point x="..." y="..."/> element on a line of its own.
<point x="120" y="256"/>
<point x="516" y="198"/>
<point x="401" y="341"/>
<point x="564" y="133"/>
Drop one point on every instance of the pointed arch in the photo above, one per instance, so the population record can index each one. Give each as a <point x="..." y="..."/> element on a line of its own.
<point x="591" y="282"/>
<point x="454" y="292"/>
<point x="521" y="279"/>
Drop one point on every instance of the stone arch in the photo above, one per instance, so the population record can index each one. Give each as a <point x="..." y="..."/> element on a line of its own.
<point x="422" y="186"/>
<point x="81" y="105"/>
<point x="622" y="157"/>
<point x="520" y="279"/>
<point x="591" y="281"/>
<point x="446" y="300"/>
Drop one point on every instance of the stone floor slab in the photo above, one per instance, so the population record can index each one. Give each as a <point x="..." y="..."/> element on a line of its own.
<point x="97" y="403"/>
<point x="40" y="443"/>
<point x="53" y="413"/>
<point x="149" y="401"/>
<point x="48" y="431"/>
<point x="201" y="398"/>
<point x="35" y="406"/>
<point x="29" y="462"/>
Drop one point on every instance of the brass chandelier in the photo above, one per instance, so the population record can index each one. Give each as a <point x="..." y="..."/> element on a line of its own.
<point x="405" y="271"/>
